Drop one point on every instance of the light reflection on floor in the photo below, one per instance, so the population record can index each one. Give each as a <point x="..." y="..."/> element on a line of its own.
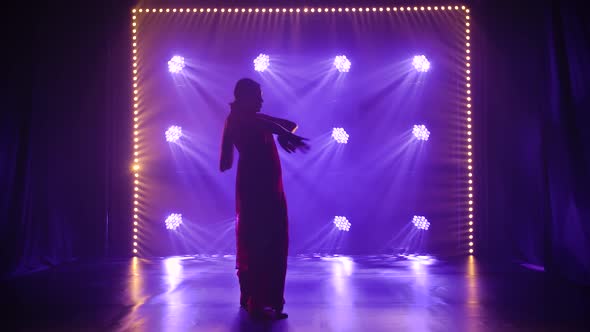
<point x="323" y="293"/>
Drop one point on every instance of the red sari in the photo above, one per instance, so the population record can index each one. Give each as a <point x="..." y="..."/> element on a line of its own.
<point x="261" y="223"/>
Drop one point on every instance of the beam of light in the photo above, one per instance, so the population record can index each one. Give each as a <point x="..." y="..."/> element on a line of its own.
<point x="136" y="283"/>
<point x="342" y="63"/>
<point x="173" y="269"/>
<point x="340" y="135"/>
<point x="408" y="243"/>
<point x="420" y="222"/>
<point x="261" y="62"/>
<point x="173" y="221"/>
<point x="420" y="63"/>
<point x="342" y="223"/>
<point x="174" y="295"/>
<point x="197" y="237"/>
<point x="421" y="132"/>
<point x="472" y="291"/>
<point x="176" y="64"/>
<point x="342" y="268"/>
<point x="326" y="239"/>
<point x="173" y="134"/>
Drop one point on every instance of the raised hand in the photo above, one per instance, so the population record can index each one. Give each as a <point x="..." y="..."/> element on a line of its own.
<point x="291" y="142"/>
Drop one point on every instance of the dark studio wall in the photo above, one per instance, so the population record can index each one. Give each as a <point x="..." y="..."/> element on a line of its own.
<point x="61" y="182"/>
<point x="533" y="93"/>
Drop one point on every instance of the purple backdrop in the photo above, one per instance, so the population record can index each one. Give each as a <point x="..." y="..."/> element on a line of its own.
<point x="379" y="180"/>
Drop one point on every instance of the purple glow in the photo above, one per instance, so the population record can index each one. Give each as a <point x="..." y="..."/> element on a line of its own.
<point x="421" y="222"/>
<point x="176" y="64"/>
<point x="262" y="62"/>
<point x="173" y="274"/>
<point x="420" y="132"/>
<point x="340" y="135"/>
<point x="342" y="63"/>
<point x="173" y="221"/>
<point x="173" y="134"/>
<point x="420" y="63"/>
<point x="342" y="223"/>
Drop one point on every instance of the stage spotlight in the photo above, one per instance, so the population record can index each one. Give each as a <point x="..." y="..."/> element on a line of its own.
<point x="420" y="63"/>
<point x="173" y="134"/>
<point x="420" y="132"/>
<point x="176" y="64"/>
<point x="342" y="223"/>
<point x="340" y="135"/>
<point x="342" y="63"/>
<point x="261" y="62"/>
<point x="421" y="222"/>
<point x="173" y="221"/>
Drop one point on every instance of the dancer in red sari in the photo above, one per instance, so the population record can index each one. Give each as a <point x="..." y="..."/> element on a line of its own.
<point x="261" y="224"/>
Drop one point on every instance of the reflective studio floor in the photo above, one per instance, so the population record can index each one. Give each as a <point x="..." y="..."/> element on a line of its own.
<point x="324" y="293"/>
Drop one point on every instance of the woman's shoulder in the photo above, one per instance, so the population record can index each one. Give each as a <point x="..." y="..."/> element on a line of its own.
<point x="243" y="122"/>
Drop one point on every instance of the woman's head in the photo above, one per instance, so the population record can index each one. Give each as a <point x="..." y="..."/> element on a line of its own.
<point x="248" y="96"/>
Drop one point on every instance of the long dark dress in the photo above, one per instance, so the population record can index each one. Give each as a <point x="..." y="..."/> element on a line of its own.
<point x="261" y="223"/>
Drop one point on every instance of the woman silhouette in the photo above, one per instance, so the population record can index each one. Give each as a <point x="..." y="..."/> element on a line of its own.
<point x="261" y="223"/>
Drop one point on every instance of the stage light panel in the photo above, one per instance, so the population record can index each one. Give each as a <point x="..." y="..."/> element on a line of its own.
<point x="176" y="65"/>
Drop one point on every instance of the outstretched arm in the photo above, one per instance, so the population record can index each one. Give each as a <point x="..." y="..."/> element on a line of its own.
<point x="288" y="125"/>
<point x="227" y="149"/>
<point x="284" y="130"/>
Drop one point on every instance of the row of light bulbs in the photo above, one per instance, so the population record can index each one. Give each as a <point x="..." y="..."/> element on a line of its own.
<point x="136" y="167"/>
<point x="297" y="10"/>
<point x="470" y="229"/>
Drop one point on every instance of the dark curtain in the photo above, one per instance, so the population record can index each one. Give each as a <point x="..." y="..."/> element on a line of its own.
<point x="64" y="145"/>
<point x="15" y="118"/>
<point x="567" y="148"/>
<point x="65" y="142"/>
<point x="532" y="68"/>
<point x="511" y="71"/>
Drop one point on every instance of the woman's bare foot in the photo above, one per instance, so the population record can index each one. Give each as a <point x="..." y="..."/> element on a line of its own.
<point x="260" y="313"/>
<point x="280" y="315"/>
<point x="244" y="304"/>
